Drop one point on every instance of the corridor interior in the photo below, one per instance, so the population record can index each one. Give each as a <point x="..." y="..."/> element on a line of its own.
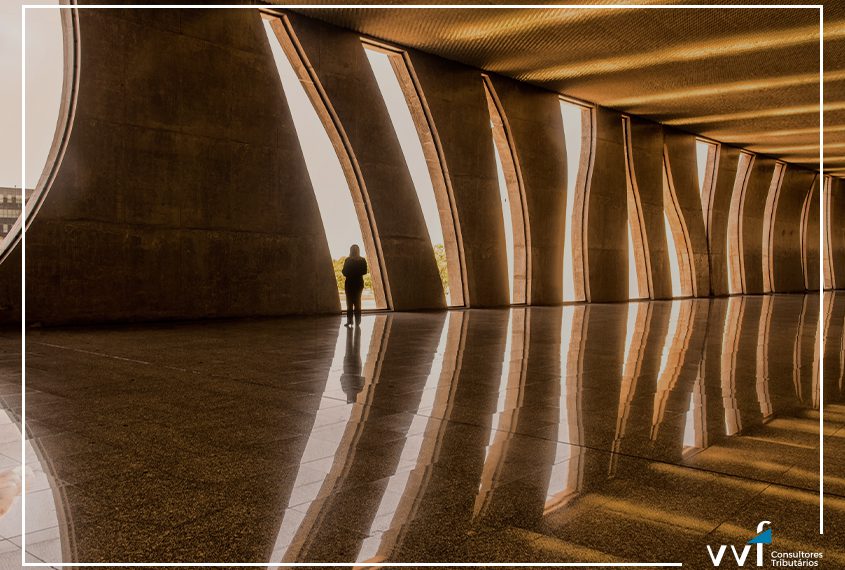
<point x="629" y="432"/>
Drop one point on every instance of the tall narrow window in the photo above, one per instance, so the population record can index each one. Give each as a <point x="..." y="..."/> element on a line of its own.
<point x="572" y="128"/>
<point x="703" y="153"/>
<point x="44" y="92"/>
<point x="633" y="280"/>
<point x="512" y="198"/>
<point x="506" y="219"/>
<point x="334" y="199"/>
<point x="383" y="64"/>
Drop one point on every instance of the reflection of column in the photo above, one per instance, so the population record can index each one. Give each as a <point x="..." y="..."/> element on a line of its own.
<point x="730" y="349"/>
<point x="421" y="449"/>
<point x="510" y="398"/>
<point x="600" y="356"/>
<point x="645" y="336"/>
<point x="712" y="369"/>
<point x="527" y="460"/>
<point x="677" y="381"/>
<point x="412" y="340"/>
<point x="695" y="425"/>
<point x="833" y="361"/>
<point x="567" y="468"/>
<point x="779" y="329"/>
<point x="763" y="358"/>
<point x="294" y="535"/>
<point x="433" y="501"/>
<point x="806" y="348"/>
<point x="740" y="364"/>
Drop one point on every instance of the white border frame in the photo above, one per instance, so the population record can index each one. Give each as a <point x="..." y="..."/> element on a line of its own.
<point x="820" y="353"/>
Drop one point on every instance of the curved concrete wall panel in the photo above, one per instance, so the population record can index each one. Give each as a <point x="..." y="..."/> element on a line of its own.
<point x="681" y="171"/>
<point x="183" y="192"/>
<point x="536" y="127"/>
<point x="644" y="146"/>
<point x="454" y="96"/>
<point x="783" y="241"/>
<point x="718" y="213"/>
<point x="605" y="245"/>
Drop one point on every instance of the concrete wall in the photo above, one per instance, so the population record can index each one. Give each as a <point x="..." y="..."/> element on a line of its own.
<point x="686" y="215"/>
<point x="644" y="153"/>
<point x="605" y="244"/>
<point x="457" y="108"/>
<point x="183" y="192"/>
<point x="536" y="129"/>
<point x="718" y="210"/>
<point x="340" y="64"/>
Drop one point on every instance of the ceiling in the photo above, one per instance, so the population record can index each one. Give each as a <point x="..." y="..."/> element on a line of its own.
<point x="744" y="76"/>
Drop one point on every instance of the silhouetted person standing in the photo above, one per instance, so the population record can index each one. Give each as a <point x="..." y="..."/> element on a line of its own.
<point x="354" y="269"/>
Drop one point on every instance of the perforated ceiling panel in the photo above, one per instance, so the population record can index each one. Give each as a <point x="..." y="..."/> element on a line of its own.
<point x="748" y="77"/>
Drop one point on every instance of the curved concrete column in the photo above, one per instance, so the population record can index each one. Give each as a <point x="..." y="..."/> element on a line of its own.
<point x="644" y="159"/>
<point x="751" y="216"/>
<point x="834" y="233"/>
<point x="461" y="154"/>
<point x="337" y="59"/>
<point x="686" y="215"/>
<point x="782" y="236"/>
<point x="182" y="192"/>
<point x="537" y="144"/>
<point x="718" y="212"/>
<point x="604" y="242"/>
<point x="810" y="237"/>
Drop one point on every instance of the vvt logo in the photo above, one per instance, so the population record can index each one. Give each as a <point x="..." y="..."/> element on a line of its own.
<point x="763" y="537"/>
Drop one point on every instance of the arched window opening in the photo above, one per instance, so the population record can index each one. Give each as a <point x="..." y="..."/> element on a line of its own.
<point x="705" y="161"/>
<point x="511" y="195"/>
<point x="344" y="221"/>
<point x="387" y="67"/>
<point x="44" y="113"/>
<point x="507" y="221"/>
<point x="704" y="152"/>
<point x="573" y="128"/>
<point x="634" y="291"/>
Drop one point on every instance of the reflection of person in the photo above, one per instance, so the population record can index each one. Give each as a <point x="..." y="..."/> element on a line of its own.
<point x="352" y="380"/>
<point x="354" y="269"/>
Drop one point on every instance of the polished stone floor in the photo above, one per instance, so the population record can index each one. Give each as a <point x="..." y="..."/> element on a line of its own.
<point x="636" y="432"/>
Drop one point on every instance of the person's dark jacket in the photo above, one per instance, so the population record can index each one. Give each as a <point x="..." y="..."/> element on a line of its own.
<point x="354" y="269"/>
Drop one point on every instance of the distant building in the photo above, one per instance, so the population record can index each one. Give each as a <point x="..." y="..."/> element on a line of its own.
<point x="10" y="208"/>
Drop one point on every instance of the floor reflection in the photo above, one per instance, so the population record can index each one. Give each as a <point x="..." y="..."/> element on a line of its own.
<point x="631" y="432"/>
